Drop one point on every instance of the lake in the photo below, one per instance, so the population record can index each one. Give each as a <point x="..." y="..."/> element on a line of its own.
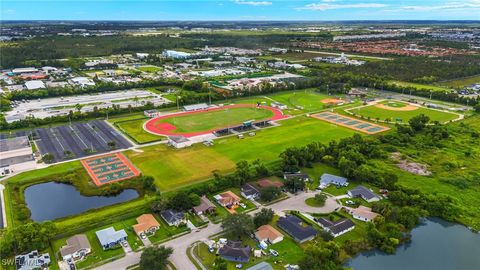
<point x="49" y="201"/>
<point x="436" y="244"/>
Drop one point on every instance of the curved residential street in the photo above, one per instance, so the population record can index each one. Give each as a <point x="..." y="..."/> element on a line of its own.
<point x="180" y="245"/>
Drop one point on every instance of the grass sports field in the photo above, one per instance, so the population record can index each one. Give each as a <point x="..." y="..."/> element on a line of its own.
<point x="374" y="112"/>
<point x="202" y="122"/>
<point x="308" y="99"/>
<point x="173" y="169"/>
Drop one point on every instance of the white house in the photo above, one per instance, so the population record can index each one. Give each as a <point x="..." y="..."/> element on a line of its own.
<point x="362" y="213"/>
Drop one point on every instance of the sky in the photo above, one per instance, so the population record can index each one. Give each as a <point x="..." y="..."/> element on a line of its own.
<point x="233" y="10"/>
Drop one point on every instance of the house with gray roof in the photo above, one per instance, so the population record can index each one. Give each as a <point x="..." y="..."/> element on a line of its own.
<point x="233" y="251"/>
<point x="329" y="179"/>
<point x="336" y="228"/>
<point x="109" y="237"/>
<point x="77" y="247"/>
<point x="32" y="260"/>
<point x="364" y="193"/>
<point x="250" y="192"/>
<point x="173" y="217"/>
<point x="261" y="266"/>
<point x="294" y="227"/>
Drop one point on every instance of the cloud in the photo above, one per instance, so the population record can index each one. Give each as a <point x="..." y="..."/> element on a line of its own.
<point x="252" y="3"/>
<point x="323" y="7"/>
<point x="446" y="6"/>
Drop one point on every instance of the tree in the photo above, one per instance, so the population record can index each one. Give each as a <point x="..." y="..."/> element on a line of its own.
<point x="269" y="193"/>
<point x="321" y="256"/>
<point x="238" y="225"/>
<point x="294" y="184"/>
<point x="155" y="258"/>
<point x="27" y="237"/>
<point x="419" y="122"/>
<point x="477" y="108"/>
<point x="148" y="183"/>
<point x="111" y="144"/>
<point x="219" y="264"/>
<point x="48" y="158"/>
<point x="182" y="201"/>
<point x="263" y="217"/>
<point x="320" y="199"/>
<point x="243" y="171"/>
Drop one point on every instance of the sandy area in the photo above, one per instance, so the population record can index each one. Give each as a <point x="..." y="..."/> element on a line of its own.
<point x="408" y="107"/>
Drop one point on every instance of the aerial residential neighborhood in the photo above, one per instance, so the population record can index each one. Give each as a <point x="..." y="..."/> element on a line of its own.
<point x="257" y="135"/>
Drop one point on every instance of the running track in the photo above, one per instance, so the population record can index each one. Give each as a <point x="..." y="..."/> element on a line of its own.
<point x="166" y="129"/>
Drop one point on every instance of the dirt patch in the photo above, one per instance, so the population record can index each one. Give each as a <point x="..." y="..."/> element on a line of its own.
<point x="408" y="107"/>
<point x="332" y="101"/>
<point x="409" y="166"/>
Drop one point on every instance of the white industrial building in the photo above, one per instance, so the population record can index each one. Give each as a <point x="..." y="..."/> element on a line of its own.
<point x="82" y="81"/>
<point x="36" y="84"/>
<point x="16" y="155"/>
<point x="176" y="54"/>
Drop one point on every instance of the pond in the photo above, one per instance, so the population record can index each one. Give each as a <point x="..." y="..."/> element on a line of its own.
<point x="436" y="244"/>
<point x="49" y="201"/>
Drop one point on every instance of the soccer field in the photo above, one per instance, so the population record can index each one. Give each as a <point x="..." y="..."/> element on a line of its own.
<point x="308" y="99"/>
<point x="394" y="114"/>
<point x="206" y="121"/>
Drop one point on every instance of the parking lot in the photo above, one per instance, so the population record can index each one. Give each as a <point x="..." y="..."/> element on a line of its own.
<point x="79" y="140"/>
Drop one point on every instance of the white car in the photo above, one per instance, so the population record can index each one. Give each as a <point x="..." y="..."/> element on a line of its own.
<point x="274" y="252"/>
<point x="243" y="205"/>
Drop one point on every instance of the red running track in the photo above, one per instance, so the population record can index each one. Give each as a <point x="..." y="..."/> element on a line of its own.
<point x="167" y="129"/>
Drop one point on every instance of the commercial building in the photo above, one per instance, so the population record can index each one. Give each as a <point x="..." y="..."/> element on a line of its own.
<point x="32" y="85"/>
<point x="16" y="155"/>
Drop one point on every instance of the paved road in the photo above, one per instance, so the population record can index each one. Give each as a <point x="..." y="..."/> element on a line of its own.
<point x="180" y="245"/>
<point x="349" y="55"/>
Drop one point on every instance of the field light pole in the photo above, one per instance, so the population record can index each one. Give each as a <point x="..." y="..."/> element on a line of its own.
<point x="431" y="92"/>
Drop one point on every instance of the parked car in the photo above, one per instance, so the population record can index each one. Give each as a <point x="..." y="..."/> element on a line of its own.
<point x="143" y="236"/>
<point x="239" y="266"/>
<point x="274" y="252"/>
<point x="243" y="205"/>
<point x="124" y="243"/>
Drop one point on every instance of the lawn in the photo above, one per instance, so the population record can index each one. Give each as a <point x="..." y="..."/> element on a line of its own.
<point x="374" y="112"/>
<point x="134" y="129"/>
<point x="98" y="255"/>
<point x="204" y="121"/>
<point x="309" y="100"/>
<point x="459" y="83"/>
<point x="173" y="169"/>
<point x="149" y="69"/>
<point x="426" y="87"/>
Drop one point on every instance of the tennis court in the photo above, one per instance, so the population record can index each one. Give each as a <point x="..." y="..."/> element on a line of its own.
<point x="351" y="123"/>
<point x="109" y="168"/>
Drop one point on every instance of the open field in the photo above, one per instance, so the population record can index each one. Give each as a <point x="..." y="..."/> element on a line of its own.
<point x="397" y="114"/>
<point x="426" y="87"/>
<point x="134" y="129"/>
<point x="308" y="99"/>
<point x="459" y="83"/>
<point x="149" y="69"/>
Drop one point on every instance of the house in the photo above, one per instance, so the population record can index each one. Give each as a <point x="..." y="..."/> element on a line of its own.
<point x="109" y="237"/>
<point x="336" y="228"/>
<point x="327" y="179"/>
<point x="179" y="141"/>
<point x="362" y="213"/>
<point x="293" y="226"/>
<point x="77" y="247"/>
<point x="269" y="234"/>
<point x="261" y="266"/>
<point x="227" y="199"/>
<point x="233" y="251"/>
<point x="364" y="193"/>
<point x="36" y="84"/>
<point x="146" y="224"/>
<point x="173" y="217"/>
<point x="264" y="183"/>
<point x="205" y="206"/>
<point x="250" y="192"/>
<point x="32" y="260"/>
<point x="299" y="175"/>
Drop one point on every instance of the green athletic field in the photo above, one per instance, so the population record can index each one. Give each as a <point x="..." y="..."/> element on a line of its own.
<point x="419" y="86"/>
<point x="132" y="126"/>
<point x="308" y="99"/>
<point x="173" y="169"/>
<point x="204" y="121"/>
<point x="149" y="69"/>
<point x="383" y="114"/>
